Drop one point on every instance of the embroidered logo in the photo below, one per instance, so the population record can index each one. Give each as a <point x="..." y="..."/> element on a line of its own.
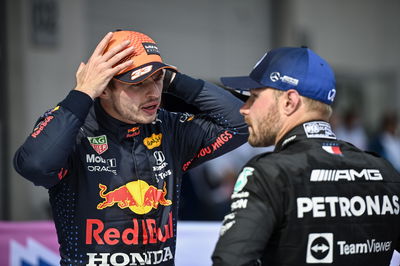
<point x="153" y="141"/>
<point x="99" y="143"/>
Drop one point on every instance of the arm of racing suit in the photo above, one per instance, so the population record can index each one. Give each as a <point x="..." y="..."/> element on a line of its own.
<point x="219" y="128"/>
<point x="255" y="214"/>
<point x="43" y="157"/>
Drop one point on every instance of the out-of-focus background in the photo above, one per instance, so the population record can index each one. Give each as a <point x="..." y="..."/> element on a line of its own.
<point x="42" y="43"/>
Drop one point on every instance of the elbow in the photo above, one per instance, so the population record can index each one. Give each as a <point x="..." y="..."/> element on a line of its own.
<point x="32" y="168"/>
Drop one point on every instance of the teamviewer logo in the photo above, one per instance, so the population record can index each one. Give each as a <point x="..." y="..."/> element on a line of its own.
<point x="320" y="248"/>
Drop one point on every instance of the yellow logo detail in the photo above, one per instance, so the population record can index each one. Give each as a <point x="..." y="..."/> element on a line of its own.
<point x="153" y="141"/>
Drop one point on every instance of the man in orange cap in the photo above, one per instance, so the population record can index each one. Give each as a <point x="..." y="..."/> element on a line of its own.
<point x="112" y="159"/>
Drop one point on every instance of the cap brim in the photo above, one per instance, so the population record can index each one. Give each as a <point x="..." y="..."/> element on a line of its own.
<point x="143" y="72"/>
<point x="244" y="83"/>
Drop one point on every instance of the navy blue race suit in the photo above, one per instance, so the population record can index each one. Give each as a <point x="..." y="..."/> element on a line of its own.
<point x="314" y="200"/>
<point x="114" y="187"/>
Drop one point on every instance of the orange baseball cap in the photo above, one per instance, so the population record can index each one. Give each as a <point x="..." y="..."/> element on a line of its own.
<point x="146" y="57"/>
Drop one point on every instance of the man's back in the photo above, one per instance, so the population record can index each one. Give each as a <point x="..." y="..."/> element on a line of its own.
<point x="322" y="201"/>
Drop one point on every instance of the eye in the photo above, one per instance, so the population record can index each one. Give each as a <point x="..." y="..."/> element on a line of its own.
<point x="133" y="86"/>
<point x="158" y="77"/>
<point x="254" y="95"/>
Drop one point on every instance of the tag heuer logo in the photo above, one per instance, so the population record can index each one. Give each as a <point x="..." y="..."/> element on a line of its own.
<point x="99" y="143"/>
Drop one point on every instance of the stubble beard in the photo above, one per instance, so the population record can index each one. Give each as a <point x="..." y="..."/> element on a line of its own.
<point x="267" y="129"/>
<point x="131" y="114"/>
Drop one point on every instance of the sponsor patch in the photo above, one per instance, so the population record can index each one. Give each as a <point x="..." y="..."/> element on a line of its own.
<point x="242" y="179"/>
<point x="153" y="141"/>
<point x="276" y="76"/>
<point x="186" y="117"/>
<point x="159" y="156"/>
<point x="99" y="164"/>
<point x="221" y="140"/>
<point x="99" y="143"/>
<point x="140" y="72"/>
<point x="320" y="248"/>
<point x="332" y="148"/>
<point x="151" y="48"/>
<point x="356" y="206"/>
<point x="138" y="196"/>
<point x="39" y="128"/>
<point x="334" y="175"/>
<point x="132" y="132"/>
<point x="145" y="258"/>
<point x="318" y="130"/>
<point x="369" y="246"/>
<point x="139" y="232"/>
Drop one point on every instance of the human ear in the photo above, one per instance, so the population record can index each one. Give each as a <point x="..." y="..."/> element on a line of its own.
<point x="106" y="94"/>
<point x="291" y="102"/>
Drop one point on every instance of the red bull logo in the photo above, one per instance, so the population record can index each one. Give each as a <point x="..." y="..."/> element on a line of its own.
<point x="132" y="132"/>
<point x="138" y="196"/>
<point x="140" y="231"/>
<point x="41" y="126"/>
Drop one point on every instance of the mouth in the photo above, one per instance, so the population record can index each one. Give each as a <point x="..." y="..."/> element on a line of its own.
<point x="150" y="108"/>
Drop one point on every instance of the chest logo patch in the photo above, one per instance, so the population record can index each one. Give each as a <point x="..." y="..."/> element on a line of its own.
<point x="138" y="196"/>
<point x="242" y="179"/>
<point x="153" y="141"/>
<point x="99" y="143"/>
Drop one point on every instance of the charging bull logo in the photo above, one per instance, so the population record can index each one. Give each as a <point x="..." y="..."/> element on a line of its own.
<point x="132" y="132"/>
<point x="138" y="196"/>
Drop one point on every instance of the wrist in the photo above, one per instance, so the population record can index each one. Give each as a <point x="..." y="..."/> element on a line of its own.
<point x="87" y="92"/>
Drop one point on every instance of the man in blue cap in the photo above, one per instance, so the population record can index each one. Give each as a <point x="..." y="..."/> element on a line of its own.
<point x="314" y="199"/>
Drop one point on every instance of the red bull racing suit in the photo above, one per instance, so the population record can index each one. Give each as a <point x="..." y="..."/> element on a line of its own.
<point x="113" y="187"/>
<point x="314" y="200"/>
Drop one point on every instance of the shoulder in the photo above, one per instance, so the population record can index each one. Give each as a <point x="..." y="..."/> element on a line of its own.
<point x="264" y="167"/>
<point x="91" y="124"/>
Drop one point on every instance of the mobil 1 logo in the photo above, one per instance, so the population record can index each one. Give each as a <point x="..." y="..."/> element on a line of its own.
<point x="320" y="248"/>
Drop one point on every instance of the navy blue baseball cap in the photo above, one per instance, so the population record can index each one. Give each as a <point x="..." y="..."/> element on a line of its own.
<point x="288" y="68"/>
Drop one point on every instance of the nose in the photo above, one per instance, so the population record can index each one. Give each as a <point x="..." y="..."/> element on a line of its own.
<point x="153" y="88"/>
<point x="244" y="110"/>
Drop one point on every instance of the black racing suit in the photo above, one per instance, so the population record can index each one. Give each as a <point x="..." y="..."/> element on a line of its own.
<point x="314" y="200"/>
<point x="114" y="188"/>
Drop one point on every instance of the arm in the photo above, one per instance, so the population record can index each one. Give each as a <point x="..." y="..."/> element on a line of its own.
<point x="254" y="216"/>
<point x="219" y="128"/>
<point x="43" y="158"/>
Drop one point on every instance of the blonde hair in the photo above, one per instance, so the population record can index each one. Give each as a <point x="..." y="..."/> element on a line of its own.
<point x="311" y="105"/>
<point x="316" y="106"/>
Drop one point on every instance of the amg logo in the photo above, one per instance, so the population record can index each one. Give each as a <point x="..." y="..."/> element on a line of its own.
<point x="323" y="175"/>
<point x="372" y="246"/>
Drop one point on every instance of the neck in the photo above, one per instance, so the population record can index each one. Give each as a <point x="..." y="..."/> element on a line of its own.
<point x="296" y="119"/>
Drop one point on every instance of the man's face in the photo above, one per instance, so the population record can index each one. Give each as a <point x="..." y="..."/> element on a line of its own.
<point x="136" y="103"/>
<point x="262" y="115"/>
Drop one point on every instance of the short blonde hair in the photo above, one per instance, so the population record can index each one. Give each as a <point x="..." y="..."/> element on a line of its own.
<point x="313" y="105"/>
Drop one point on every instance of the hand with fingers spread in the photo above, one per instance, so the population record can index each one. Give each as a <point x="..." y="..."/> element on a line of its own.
<point x="92" y="78"/>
